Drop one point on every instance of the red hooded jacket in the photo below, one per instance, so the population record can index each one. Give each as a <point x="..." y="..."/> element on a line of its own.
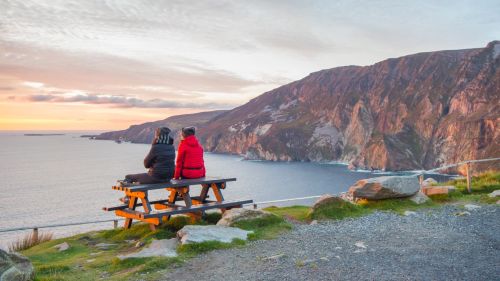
<point x="189" y="163"/>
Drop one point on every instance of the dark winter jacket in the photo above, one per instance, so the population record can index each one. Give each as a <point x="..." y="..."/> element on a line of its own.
<point x="161" y="161"/>
<point x="189" y="164"/>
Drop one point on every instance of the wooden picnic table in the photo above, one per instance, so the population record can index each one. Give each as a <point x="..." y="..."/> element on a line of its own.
<point x="154" y="212"/>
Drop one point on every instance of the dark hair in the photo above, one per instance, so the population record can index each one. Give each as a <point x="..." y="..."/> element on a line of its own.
<point x="188" y="131"/>
<point x="162" y="135"/>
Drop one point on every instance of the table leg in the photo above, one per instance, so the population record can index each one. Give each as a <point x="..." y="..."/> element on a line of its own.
<point x="218" y="194"/>
<point x="147" y="208"/>
<point x="131" y="205"/>
<point x="171" y="198"/>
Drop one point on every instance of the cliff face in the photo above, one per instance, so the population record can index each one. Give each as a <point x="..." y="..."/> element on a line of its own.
<point x="144" y="133"/>
<point x="414" y="112"/>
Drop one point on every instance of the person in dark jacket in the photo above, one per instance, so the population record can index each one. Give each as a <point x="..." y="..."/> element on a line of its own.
<point x="189" y="163"/>
<point x="159" y="161"/>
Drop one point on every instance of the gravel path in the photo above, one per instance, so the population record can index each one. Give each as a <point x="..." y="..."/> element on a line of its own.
<point x="429" y="245"/>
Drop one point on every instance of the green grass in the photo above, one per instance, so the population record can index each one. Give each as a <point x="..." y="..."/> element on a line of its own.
<point x="337" y="209"/>
<point x="296" y="212"/>
<point x="85" y="261"/>
<point x="482" y="185"/>
<point x="264" y="228"/>
<point x="203" y="247"/>
<point x="398" y="205"/>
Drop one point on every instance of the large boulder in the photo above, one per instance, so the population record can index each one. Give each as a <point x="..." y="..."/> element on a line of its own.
<point x="385" y="187"/>
<point x="240" y="214"/>
<point x="15" y="267"/>
<point x="202" y="233"/>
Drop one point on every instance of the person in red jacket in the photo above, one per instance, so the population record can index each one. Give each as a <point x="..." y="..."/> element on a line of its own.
<point x="189" y="163"/>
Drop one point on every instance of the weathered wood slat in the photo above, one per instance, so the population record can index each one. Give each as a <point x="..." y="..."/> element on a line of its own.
<point x="174" y="184"/>
<point x="196" y="208"/>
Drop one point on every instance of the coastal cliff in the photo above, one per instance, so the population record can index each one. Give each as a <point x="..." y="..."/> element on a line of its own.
<point x="144" y="133"/>
<point x="414" y="112"/>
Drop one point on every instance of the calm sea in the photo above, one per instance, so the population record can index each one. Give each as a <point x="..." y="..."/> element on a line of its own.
<point x="64" y="179"/>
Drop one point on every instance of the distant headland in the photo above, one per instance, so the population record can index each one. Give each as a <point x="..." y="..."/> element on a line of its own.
<point x="42" y="135"/>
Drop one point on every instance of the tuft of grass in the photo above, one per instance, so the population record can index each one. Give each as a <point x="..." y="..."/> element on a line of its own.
<point x="29" y="240"/>
<point x="482" y="184"/>
<point x="295" y="212"/>
<point x="264" y="228"/>
<point x="212" y="217"/>
<point x="338" y="209"/>
<point x="193" y="249"/>
<point x="398" y="205"/>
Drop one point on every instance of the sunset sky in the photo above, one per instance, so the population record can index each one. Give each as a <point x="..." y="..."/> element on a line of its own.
<point x="85" y="65"/>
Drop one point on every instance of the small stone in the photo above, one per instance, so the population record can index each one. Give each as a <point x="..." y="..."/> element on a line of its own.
<point x="62" y="247"/>
<point x="130" y="241"/>
<point x="409" y="213"/>
<point x="338" y="248"/>
<point x="419" y="198"/>
<point x="498" y="202"/>
<point x="471" y="207"/>
<point x="314" y="222"/>
<point x="461" y="214"/>
<point x="360" y="244"/>
<point x="105" y="246"/>
<point x="495" y="193"/>
<point x="429" y="182"/>
<point x="275" y="257"/>
<point x="359" y="251"/>
<point x="95" y="254"/>
<point x="139" y="244"/>
<point x="324" y="258"/>
<point x="91" y="260"/>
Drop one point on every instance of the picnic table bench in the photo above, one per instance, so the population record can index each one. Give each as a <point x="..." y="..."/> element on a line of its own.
<point x="154" y="212"/>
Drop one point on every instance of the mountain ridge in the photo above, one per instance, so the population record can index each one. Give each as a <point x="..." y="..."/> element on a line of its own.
<point x="417" y="111"/>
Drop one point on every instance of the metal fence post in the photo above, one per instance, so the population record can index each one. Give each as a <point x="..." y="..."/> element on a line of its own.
<point x="115" y="223"/>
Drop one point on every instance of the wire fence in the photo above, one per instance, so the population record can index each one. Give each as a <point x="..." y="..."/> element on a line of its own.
<point x="255" y="204"/>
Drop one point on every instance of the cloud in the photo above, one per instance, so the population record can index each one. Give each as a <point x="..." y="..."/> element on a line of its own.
<point x="123" y="102"/>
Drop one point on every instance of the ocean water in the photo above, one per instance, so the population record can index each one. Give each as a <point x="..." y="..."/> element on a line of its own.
<point x="66" y="179"/>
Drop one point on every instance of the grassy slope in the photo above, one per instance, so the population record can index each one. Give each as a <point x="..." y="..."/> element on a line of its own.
<point x="84" y="261"/>
<point x="482" y="185"/>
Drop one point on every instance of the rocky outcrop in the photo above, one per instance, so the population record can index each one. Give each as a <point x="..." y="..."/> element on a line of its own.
<point x="385" y="187"/>
<point x="202" y="233"/>
<point x="15" y="267"/>
<point x="240" y="214"/>
<point x="327" y="199"/>
<point x="415" y="112"/>
<point x="157" y="248"/>
<point x="144" y="133"/>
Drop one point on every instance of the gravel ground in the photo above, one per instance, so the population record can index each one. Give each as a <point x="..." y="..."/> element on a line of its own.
<point x="432" y="244"/>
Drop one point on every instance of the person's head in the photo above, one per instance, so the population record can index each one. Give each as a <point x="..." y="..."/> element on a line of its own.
<point x="187" y="131"/>
<point x="162" y="135"/>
